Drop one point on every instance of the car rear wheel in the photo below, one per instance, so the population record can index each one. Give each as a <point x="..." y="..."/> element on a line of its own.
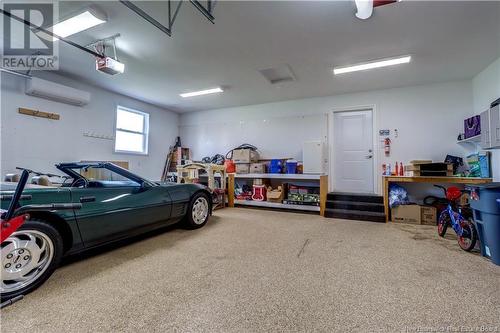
<point x="198" y="211"/>
<point x="29" y="257"/>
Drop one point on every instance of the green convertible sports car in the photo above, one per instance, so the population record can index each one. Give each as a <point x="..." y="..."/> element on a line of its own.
<point x="110" y="203"/>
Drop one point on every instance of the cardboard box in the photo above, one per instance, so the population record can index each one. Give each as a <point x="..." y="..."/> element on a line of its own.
<point x="257" y="168"/>
<point x="407" y="214"/>
<point x="245" y="156"/>
<point x="242" y="168"/>
<point x="275" y="195"/>
<point x="429" y="215"/>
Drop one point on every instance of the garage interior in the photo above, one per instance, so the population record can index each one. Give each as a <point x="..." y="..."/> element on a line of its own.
<point x="338" y="162"/>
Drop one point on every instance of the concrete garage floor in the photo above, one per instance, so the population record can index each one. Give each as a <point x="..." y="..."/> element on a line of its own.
<point x="255" y="271"/>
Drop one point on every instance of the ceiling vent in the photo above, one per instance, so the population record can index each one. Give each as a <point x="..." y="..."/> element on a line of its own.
<point x="279" y="74"/>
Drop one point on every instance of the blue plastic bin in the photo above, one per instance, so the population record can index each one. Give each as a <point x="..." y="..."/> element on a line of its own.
<point x="291" y="166"/>
<point x="275" y="166"/>
<point x="487" y="218"/>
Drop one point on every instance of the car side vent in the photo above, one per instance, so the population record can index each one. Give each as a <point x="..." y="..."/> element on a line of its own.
<point x="279" y="74"/>
<point x="179" y="209"/>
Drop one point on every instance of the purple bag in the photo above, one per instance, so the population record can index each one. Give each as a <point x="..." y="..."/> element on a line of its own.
<point x="472" y="126"/>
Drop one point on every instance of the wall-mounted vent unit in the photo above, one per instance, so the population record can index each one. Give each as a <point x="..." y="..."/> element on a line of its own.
<point x="279" y="74"/>
<point x="56" y="92"/>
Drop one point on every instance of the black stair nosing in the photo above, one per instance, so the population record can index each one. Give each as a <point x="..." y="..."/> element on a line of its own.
<point x="355" y="205"/>
<point x="355" y="215"/>
<point x="354" y="193"/>
<point x="355" y="197"/>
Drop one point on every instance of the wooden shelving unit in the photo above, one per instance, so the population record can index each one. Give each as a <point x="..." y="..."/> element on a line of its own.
<point x="323" y="185"/>
<point x="387" y="180"/>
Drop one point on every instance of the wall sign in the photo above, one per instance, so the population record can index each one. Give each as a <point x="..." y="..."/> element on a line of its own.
<point x="384" y="132"/>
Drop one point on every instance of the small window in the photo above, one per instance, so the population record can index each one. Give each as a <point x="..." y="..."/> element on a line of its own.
<point x="132" y="129"/>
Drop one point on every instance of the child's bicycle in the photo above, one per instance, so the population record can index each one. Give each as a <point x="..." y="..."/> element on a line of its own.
<point x="463" y="227"/>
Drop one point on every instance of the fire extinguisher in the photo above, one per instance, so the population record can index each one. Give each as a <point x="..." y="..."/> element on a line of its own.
<point x="387" y="147"/>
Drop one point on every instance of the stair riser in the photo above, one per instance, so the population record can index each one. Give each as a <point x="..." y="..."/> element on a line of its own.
<point x="355" y="198"/>
<point x="355" y="217"/>
<point x="355" y="206"/>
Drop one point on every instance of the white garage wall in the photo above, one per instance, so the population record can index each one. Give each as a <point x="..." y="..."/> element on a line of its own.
<point x="38" y="143"/>
<point x="428" y="119"/>
<point x="486" y="88"/>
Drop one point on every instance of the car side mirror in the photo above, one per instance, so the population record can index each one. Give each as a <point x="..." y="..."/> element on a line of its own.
<point x="144" y="187"/>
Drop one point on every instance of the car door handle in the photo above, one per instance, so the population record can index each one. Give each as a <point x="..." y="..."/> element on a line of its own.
<point x="87" y="199"/>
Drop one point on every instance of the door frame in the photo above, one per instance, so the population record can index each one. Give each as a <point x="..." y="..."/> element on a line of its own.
<point x="331" y="143"/>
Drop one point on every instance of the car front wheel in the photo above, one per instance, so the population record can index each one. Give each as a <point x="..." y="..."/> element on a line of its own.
<point x="198" y="211"/>
<point x="29" y="256"/>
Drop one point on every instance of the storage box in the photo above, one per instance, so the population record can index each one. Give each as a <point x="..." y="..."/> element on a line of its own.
<point x="407" y="214"/>
<point x="242" y="168"/>
<point x="275" y="195"/>
<point x="428" y="215"/>
<point x="257" y="168"/>
<point x="245" y="156"/>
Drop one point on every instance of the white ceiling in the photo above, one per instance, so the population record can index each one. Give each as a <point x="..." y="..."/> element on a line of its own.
<point x="448" y="41"/>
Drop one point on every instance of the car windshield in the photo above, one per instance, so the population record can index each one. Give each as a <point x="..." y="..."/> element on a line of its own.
<point x="100" y="176"/>
<point x="98" y="173"/>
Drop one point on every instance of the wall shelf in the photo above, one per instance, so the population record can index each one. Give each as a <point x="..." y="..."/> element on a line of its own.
<point x="475" y="139"/>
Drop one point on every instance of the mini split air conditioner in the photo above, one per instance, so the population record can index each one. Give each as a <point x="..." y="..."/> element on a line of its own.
<point x="56" y="92"/>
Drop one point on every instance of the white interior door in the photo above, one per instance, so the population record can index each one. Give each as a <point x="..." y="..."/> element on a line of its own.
<point x="353" y="151"/>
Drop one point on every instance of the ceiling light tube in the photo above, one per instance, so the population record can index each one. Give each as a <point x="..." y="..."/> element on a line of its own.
<point x="372" y="64"/>
<point x="202" y="92"/>
<point x="77" y="23"/>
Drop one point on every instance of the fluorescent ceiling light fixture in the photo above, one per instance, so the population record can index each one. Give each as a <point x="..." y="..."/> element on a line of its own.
<point x="202" y="92"/>
<point x="76" y="24"/>
<point x="372" y="64"/>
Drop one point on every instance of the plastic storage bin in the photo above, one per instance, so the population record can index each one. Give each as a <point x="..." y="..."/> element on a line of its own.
<point x="487" y="218"/>
<point x="275" y="166"/>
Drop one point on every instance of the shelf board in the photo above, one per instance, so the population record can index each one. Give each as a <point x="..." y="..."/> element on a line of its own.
<point x="278" y="176"/>
<point x="276" y="205"/>
<point x="473" y="139"/>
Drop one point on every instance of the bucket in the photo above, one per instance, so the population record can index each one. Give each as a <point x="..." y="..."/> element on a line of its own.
<point x="230" y="166"/>
<point x="291" y="166"/>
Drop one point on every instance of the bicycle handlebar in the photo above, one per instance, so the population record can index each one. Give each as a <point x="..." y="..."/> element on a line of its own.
<point x="441" y="187"/>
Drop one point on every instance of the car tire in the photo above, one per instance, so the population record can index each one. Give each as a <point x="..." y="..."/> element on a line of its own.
<point x="29" y="257"/>
<point x="198" y="212"/>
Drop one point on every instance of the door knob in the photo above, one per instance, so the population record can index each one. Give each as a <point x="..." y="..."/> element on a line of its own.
<point x="368" y="156"/>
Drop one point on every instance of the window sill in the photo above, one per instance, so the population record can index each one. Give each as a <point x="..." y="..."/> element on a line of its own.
<point x="126" y="152"/>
